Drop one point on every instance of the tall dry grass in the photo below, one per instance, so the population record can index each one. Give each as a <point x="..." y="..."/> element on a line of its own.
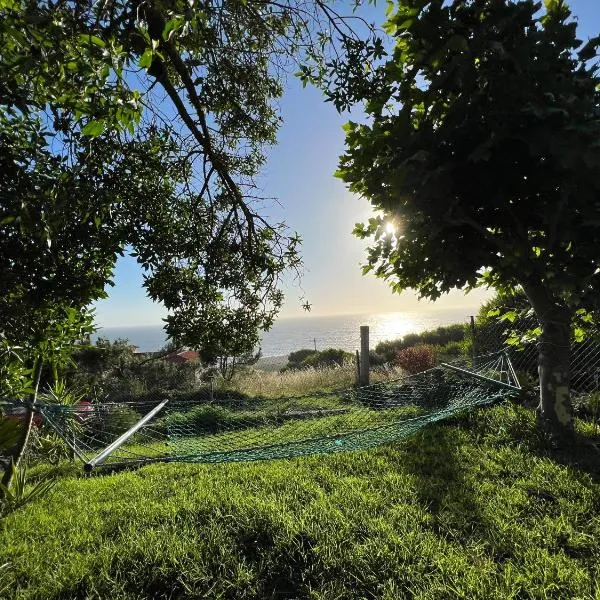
<point x="273" y="384"/>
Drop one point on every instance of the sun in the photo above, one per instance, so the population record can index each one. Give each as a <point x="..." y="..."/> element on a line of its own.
<point x="390" y="227"/>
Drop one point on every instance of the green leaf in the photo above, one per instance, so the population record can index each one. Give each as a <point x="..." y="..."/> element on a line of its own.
<point x="145" y="59"/>
<point x="510" y="316"/>
<point x="93" y="39"/>
<point x="458" y="42"/>
<point x="93" y="128"/>
<point x="10" y="432"/>
<point x="171" y="26"/>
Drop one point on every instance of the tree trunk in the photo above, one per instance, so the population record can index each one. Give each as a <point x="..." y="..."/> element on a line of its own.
<point x="554" y="364"/>
<point x="21" y="446"/>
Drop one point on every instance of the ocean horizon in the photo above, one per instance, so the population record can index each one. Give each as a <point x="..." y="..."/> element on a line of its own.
<point x="293" y="333"/>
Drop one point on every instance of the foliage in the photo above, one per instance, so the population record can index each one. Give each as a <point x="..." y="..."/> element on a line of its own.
<point x="326" y="358"/>
<point x="296" y="358"/>
<point x="45" y="443"/>
<point x="452" y="76"/>
<point x="141" y="127"/>
<point x="225" y="366"/>
<point x="112" y="370"/>
<point x="588" y="407"/>
<point x="51" y="344"/>
<point x="18" y="495"/>
<point x="295" y="382"/>
<point x="213" y="418"/>
<point x="376" y="359"/>
<point x="55" y="256"/>
<point x="408" y="520"/>
<point x="416" y="359"/>
<point x="453" y="350"/>
<point x="108" y="424"/>
<point x="434" y="337"/>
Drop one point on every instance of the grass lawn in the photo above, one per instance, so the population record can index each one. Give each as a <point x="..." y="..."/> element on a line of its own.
<point x="477" y="507"/>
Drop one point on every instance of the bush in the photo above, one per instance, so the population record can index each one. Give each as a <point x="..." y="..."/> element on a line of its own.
<point x="416" y="359"/>
<point x="441" y="336"/>
<point x="376" y="360"/>
<point x="453" y="350"/>
<point x="307" y="359"/>
<point x="212" y="418"/>
<point x="111" y="421"/>
<point x="327" y="358"/>
<point x="296" y="358"/>
<point x="588" y="407"/>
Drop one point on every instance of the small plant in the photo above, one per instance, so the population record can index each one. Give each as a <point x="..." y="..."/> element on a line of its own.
<point x="589" y="408"/>
<point x="17" y="495"/>
<point x="416" y="359"/>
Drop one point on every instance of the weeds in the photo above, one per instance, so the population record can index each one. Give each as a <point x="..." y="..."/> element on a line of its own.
<point x="301" y="381"/>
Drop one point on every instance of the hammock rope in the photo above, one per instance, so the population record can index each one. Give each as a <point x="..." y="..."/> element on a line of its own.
<point x="233" y="430"/>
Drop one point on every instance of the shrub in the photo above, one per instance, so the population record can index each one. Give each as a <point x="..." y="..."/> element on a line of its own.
<point x="211" y="418"/>
<point x="112" y="420"/>
<point x="416" y="359"/>
<point x="439" y="337"/>
<point x="453" y="350"/>
<point x="296" y="358"/>
<point x="327" y="358"/>
<point x="376" y="360"/>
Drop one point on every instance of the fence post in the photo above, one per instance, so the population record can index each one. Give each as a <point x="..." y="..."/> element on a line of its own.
<point x="364" y="356"/>
<point x="473" y="352"/>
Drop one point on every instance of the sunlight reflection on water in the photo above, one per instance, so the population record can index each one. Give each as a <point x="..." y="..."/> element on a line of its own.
<point x="343" y="331"/>
<point x="338" y="331"/>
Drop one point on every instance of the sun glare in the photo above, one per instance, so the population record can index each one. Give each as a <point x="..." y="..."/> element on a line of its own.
<point x="390" y="227"/>
<point x="392" y="326"/>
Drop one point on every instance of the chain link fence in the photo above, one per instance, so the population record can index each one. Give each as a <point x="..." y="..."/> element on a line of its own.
<point x="517" y="339"/>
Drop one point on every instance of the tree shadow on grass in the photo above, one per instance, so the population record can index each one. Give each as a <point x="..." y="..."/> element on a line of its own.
<point x="432" y="457"/>
<point x="582" y="455"/>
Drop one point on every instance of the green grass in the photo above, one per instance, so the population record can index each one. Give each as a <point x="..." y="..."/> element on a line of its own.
<point x="474" y="508"/>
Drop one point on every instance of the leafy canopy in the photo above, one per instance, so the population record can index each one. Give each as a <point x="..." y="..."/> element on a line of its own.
<point x="482" y="147"/>
<point x="140" y="126"/>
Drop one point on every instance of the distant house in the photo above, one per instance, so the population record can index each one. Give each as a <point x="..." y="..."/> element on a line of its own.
<point x="185" y="356"/>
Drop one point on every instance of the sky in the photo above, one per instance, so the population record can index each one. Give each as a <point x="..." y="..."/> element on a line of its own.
<point x="299" y="172"/>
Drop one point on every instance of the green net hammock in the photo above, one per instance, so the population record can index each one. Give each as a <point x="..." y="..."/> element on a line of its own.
<point x="233" y="430"/>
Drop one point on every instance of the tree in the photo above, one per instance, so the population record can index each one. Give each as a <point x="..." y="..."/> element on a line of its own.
<point x="139" y="125"/>
<point x="202" y="77"/>
<point x="482" y="148"/>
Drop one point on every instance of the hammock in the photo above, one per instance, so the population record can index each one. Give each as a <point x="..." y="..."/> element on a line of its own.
<point x="233" y="430"/>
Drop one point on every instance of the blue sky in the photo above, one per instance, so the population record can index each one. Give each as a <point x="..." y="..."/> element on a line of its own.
<point x="312" y="202"/>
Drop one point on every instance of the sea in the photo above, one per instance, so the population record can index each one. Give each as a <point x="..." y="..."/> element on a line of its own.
<point x="309" y="331"/>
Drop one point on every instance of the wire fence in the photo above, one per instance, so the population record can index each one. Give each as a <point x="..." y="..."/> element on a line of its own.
<point x="517" y="339"/>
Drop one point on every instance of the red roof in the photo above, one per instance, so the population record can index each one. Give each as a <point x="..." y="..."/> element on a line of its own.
<point x="183" y="357"/>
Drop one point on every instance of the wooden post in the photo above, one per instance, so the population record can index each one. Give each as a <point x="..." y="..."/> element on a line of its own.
<point x="473" y="351"/>
<point x="364" y="355"/>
